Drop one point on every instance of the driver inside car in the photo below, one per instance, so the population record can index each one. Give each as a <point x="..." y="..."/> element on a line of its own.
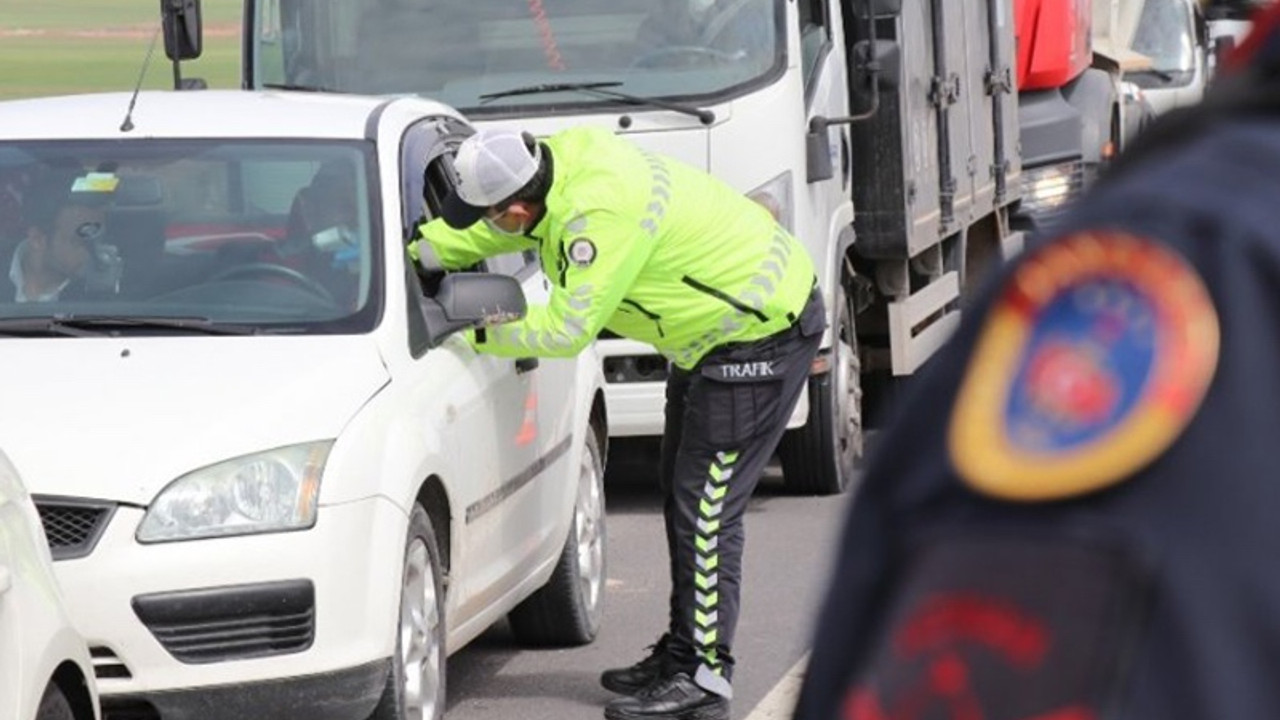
<point x="61" y="255"/>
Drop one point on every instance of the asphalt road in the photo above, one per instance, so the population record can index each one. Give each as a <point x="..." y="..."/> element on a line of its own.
<point x="790" y="541"/>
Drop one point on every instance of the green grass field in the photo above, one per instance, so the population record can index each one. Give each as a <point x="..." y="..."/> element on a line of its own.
<point x="53" y="47"/>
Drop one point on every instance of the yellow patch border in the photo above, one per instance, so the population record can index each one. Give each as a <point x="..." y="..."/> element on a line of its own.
<point x="1184" y="363"/>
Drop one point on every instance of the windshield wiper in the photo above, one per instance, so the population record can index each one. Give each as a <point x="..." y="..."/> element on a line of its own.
<point x="602" y="89"/>
<point x="1164" y="75"/>
<point x="100" y="325"/>
<point x="298" y="88"/>
<point x="44" y="326"/>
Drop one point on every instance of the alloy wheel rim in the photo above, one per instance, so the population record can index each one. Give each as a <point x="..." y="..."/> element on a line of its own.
<point x="589" y="526"/>
<point x="419" y="635"/>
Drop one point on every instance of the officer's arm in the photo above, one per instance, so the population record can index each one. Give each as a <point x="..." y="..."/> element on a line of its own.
<point x="436" y="246"/>
<point x="599" y="266"/>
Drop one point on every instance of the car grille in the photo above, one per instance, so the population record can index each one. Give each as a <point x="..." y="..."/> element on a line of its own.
<point x="231" y="623"/>
<point x="73" y="527"/>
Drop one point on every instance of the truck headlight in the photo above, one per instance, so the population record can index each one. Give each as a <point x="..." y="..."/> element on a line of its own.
<point x="775" y="196"/>
<point x="264" y="492"/>
<point x="1048" y="188"/>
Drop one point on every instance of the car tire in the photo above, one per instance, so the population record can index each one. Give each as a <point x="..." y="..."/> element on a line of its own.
<point x="416" y="683"/>
<point x="821" y="458"/>
<point x="567" y="610"/>
<point x="54" y="705"/>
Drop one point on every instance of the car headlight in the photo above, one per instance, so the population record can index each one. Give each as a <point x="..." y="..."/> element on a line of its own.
<point x="775" y="196"/>
<point x="270" y="491"/>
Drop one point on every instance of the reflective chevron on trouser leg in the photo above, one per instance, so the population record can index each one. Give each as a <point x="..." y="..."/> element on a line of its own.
<point x="706" y="577"/>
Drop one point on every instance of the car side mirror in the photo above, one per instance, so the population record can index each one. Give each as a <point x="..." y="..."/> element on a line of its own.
<point x="480" y="299"/>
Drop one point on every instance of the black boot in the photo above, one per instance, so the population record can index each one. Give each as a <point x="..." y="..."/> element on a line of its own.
<point x="633" y="679"/>
<point x="675" y="697"/>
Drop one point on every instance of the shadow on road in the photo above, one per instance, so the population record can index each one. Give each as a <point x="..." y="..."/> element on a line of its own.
<point x="494" y="673"/>
<point x="479" y="676"/>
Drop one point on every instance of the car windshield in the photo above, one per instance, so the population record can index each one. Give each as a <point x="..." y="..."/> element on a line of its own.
<point x="188" y="236"/>
<point x="1165" y="34"/>
<point x="457" y="51"/>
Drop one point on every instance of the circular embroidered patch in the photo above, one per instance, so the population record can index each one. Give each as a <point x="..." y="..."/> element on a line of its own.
<point x="582" y="252"/>
<point x="1092" y="362"/>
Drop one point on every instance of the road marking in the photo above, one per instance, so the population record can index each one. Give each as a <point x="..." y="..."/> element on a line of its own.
<point x="780" y="703"/>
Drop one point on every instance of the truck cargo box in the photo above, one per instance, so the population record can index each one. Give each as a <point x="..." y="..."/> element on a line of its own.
<point x="941" y="151"/>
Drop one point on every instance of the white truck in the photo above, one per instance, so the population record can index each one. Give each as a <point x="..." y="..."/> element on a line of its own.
<point x="882" y="133"/>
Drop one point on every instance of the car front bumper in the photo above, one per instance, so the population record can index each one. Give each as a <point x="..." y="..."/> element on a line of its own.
<point x="340" y="695"/>
<point x="336" y="585"/>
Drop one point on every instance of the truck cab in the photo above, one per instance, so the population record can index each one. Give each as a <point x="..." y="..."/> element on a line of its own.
<point x="1070" y="104"/>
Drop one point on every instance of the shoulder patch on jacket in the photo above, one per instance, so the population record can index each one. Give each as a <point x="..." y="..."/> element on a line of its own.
<point x="582" y="252"/>
<point x="1091" y="363"/>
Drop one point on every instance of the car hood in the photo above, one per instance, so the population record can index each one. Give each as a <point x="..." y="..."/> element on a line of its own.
<point x="118" y="419"/>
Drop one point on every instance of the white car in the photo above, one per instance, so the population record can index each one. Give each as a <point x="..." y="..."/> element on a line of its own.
<point x="288" y="486"/>
<point x="45" y="671"/>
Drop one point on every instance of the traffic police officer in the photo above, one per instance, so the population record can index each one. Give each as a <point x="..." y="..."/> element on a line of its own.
<point x="659" y="252"/>
<point x="1073" y="517"/>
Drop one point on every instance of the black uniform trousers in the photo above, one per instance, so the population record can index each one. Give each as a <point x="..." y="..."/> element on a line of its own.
<point x="723" y="421"/>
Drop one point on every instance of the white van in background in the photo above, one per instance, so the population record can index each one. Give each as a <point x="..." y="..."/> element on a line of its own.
<point x="1174" y="35"/>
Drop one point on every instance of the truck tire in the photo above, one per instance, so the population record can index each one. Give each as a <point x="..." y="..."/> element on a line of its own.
<point x="567" y="610"/>
<point x="821" y="458"/>
<point x="416" y="683"/>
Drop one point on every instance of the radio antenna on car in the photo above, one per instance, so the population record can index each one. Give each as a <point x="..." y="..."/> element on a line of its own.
<point x="183" y="40"/>
<point x="127" y="125"/>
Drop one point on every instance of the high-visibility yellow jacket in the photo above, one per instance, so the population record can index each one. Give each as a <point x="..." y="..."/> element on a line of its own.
<point x="644" y="246"/>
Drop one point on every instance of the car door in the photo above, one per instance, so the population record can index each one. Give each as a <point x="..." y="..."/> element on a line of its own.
<point x="548" y="421"/>
<point x="492" y="402"/>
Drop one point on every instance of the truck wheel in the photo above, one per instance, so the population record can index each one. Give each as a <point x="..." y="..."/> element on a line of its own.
<point x="54" y="705"/>
<point x="567" y="610"/>
<point x="415" y="685"/>
<point x="821" y="457"/>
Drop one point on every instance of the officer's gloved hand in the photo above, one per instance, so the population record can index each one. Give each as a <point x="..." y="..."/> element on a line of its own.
<point x="426" y="264"/>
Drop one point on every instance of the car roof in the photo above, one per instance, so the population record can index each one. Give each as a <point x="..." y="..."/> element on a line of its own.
<point x="202" y="114"/>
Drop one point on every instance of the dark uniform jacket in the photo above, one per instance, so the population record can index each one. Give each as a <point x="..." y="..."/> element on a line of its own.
<point x="1075" y="513"/>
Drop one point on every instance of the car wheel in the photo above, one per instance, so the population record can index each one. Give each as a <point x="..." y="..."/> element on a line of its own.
<point x="54" y="705"/>
<point x="821" y="458"/>
<point x="416" y="684"/>
<point x="567" y="610"/>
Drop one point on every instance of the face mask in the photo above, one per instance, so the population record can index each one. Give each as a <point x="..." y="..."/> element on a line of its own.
<point x="493" y="226"/>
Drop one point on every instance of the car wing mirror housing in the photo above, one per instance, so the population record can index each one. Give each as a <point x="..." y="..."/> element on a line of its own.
<point x="481" y="299"/>
<point x="472" y="300"/>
